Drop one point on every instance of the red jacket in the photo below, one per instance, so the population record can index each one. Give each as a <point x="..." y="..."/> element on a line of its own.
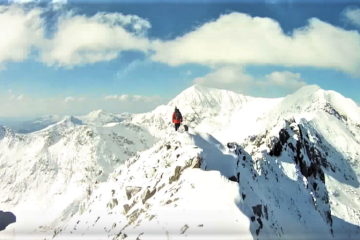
<point x="176" y="121"/>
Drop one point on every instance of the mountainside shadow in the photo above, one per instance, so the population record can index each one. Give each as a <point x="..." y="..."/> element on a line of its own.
<point x="6" y="218"/>
<point x="277" y="206"/>
<point x="332" y="161"/>
<point x="345" y="230"/>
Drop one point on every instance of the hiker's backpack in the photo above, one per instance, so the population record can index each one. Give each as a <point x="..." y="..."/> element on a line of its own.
<point x="178" y="115"/>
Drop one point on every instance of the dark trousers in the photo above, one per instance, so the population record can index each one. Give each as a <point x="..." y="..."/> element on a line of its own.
<point x="177" y="125"/>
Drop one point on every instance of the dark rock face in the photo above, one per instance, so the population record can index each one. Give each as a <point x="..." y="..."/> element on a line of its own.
<point x="309" y="150"/>
<point x="277" y="148"/>
<point x="257" y="210"/>
<point x="310" y="161"/>
<point x="233" y="178"/>
<point x="147" y="194"/>
<point x="6" y="218"/>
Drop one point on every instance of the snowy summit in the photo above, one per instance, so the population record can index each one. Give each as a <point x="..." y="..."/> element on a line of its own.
<point x="137" y="178"/>
<point x="151" y="120"/>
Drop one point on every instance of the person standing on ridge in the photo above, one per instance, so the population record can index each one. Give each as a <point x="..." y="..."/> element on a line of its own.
<point x="177" y="118"/>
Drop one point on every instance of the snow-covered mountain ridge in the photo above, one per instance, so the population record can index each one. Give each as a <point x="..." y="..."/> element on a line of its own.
<point x="48" y="172"/>
<point x="292" y="164"/>
<point x="204" y="109"/>
<point x="190" y="186"/>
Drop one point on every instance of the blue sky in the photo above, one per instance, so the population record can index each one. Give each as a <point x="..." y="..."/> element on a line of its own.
<point x="73" y="57"/>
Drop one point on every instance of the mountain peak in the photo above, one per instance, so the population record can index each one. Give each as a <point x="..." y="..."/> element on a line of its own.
<point x="99" y="118"/>
<point x="198" y="96"/>
<point x="97" y="112"/>
<point x="308" y="100"/>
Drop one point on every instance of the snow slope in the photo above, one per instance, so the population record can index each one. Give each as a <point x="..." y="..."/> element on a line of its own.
<point x="101" y="118"/>
<point x="204" y="109"/>
<point x="249" y="168"/>
<point x="47" y="173"/>
<point x="189" y="186"/>
<point x="298" y="176"/>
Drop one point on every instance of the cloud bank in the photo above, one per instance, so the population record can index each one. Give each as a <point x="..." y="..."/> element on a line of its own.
<point x="20" y="31"/>
<point x="23" y="106"/>
<point x="238" y="38"/>
<point x="235" y="78"/>
<point x="83" y="40"/>
<point x="234" y="38"/>
<point x="352" y="15"/>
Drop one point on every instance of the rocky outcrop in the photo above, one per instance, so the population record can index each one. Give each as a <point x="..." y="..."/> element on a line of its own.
<point x="6" y="218"/>
<point x="131" y="191"/>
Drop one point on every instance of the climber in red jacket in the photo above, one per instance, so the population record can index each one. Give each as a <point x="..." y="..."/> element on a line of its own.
<point x="177" y="118"/>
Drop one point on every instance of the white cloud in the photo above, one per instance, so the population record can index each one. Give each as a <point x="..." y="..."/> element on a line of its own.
<point x="22" y="1"/>
<point x="20" y="31"/>
<point x="111" y="97"/>
<point x="58" y="4"/>
<point x="284" y="79"/>
<point x="134" y="98"/>
<point x="238" y="38"/>
<point x="20" y="98"/>
<point x="34" y="107"/>
<point x="124" y="98"/>
<point x="131" y="67"/>
<point x="9" y="91"/>
<point x="139" y="98"/>
<point x="228" y="77"/>
<point x="135" y="23"/>
<point x="352" y="15"/>
<point x="236" y="79"/>
<point x="59" y="1"/>
<point x="81" y="99"/>
<point x="69" y="99"/>
<point x="83" y="40"/>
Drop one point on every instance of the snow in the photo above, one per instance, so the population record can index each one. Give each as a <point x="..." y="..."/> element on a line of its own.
<point x="101" y="118"/>
<point x="46" y="172"/>
<point x="248" y="168"/>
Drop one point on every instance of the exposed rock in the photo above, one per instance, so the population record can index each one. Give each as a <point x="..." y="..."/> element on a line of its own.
<point x="231" y="145"/>
<point x="147" y="194"/>
<point x="266" y="212"/>
<point x="260" y="222"/>
<point x="243" y="196"/>
<point x="335" y="193"/>
<point x="123" y="236"/>
<point x="183" y="229"/>
<point x="176" y="175"/>
<point x="135" y="214"/>
<point x="112" y="203"/>
<point x="257" y="210"/>
<point x="138" y="237"/>
<point x="159" y="188"/>
<point x="131" y="191"/>
<point x="233" y="178"/>
<point x="275" y="147"/>
<point x="196" y="163"/>
<point x="126" y="208"/>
